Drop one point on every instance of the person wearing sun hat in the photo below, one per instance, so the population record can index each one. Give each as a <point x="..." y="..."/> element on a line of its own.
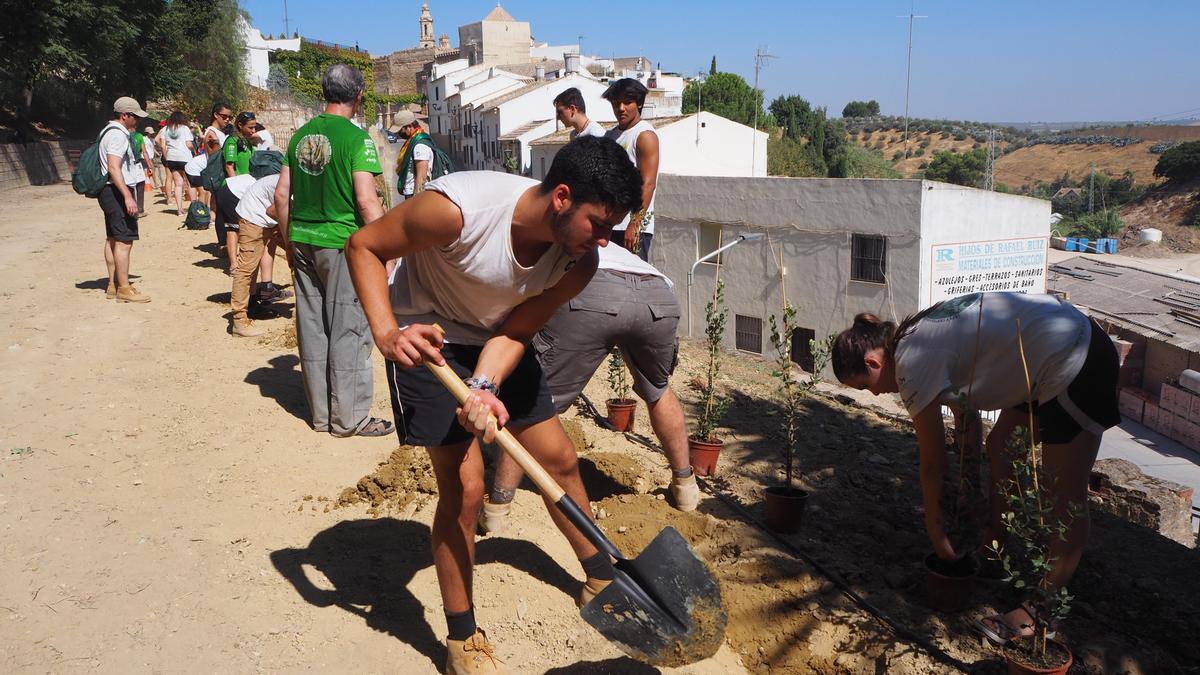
<point x="117" y="201"/>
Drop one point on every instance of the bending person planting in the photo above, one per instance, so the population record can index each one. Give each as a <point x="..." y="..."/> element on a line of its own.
<point x="963" y="353"/>
<point x="489" y="257"/>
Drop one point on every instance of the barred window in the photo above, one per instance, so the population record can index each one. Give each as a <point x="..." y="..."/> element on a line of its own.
<point x="868" y="258"/>
<point x="748" y="333"/>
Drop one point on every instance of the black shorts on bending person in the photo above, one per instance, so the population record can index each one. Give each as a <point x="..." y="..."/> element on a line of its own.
<point x="1089" y="402"/>
<point x="425" y="412"/>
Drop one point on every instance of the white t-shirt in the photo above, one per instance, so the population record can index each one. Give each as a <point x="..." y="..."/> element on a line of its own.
<point x="149" y="145"/>
<point x="933" y="363"/>
<point x="265" y="141"/>
<point x="117" y="143"/>
<point x="628" y="139"/>
<point x="471" y="286"/>
<point x="195" y="165"/>
<point x="239" y="184"/>
<point x="215" y="133"/>
<point x="257" y="199"/>
<point x="592" y="128"/>
<point x="619" y="259"/>
<point x="421" y="153"/>
<point x="176" y="141"/>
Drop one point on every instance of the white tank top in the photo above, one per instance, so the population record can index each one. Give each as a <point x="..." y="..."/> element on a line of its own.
<point x="628" y="139"/>
<point x="471" y="286"/>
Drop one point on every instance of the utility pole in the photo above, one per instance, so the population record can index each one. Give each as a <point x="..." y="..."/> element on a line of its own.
<point x="1092" y="189"/>
<point x="581" y="44"/>
<point x="699" y="91"/>
<point x="990" y="180"/>
<point x="908" y="77"/>
<point x="760" y="60"/>
<point x="285" y="20"/>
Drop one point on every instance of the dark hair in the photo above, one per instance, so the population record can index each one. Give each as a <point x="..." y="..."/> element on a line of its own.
<point x="626" y="89"/>
<point x="219" y="106"/>
<point x="571" y="97"/>
<point x="342" y="83"/>
<point x="851" y="345"/>
<point x="177" y="118"/>
<point x="597" y="171"/>
<point x="244" y="117"/>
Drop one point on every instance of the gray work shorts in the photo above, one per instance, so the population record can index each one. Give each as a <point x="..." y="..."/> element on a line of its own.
<point x="638" y="315"/>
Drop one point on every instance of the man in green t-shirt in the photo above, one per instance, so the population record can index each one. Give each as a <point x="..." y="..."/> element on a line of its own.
<point x="238" y="146"/>
<point x="326" y="192"/>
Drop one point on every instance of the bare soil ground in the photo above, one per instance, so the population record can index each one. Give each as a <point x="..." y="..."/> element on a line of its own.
<point x="891" y="141"/>
<point x="1026" y="166"/>
<point x="1172" y="208"/>
<point x="165" y="508"/>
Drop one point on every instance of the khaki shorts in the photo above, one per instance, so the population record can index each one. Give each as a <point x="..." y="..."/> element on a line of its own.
<point x="638" y="315"/>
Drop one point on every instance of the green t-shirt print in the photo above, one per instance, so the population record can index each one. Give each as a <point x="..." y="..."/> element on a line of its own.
<point x="322" y="158"/>
<point x="239" y="158"/>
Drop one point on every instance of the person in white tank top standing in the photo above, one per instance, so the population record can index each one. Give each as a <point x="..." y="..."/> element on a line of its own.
<point x="638" y="138"/>
<point x="489" y="257"/>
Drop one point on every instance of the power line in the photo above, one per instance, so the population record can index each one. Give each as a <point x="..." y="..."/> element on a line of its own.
<point x="760" y="61"/>
<point x="908" y="76"/>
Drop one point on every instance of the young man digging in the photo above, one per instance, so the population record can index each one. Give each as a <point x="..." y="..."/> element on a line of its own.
<point x="489" y="257"/>
<point x="629" y="304"/>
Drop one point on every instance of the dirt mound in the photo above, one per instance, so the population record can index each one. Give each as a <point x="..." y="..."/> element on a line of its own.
<point x="1171" y="208"/>
<point x="406" y="477"/>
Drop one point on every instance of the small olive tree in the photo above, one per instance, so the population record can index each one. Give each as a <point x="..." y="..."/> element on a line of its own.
<point x="791" y="390"/>
<point x="716" y="315"/>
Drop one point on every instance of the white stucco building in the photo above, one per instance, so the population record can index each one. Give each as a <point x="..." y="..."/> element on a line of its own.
<point x="890" y="247"/>
<point x="701" y="144"/>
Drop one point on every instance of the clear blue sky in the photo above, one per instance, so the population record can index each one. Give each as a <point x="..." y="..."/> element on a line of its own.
<point x="987" y="60"/>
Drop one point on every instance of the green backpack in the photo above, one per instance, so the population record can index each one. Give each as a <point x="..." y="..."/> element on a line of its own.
<point x="440" y="166"/>
<point x="212" y="177"/>
<point x="265" y="163"/>
<point x="87" y="179"/>
<point x="198" y="216"/>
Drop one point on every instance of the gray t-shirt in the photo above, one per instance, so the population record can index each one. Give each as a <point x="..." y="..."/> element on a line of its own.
<point x="934" y="361"/>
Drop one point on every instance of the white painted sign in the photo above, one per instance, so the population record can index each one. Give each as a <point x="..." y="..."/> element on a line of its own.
<point x="1014" y="265"/>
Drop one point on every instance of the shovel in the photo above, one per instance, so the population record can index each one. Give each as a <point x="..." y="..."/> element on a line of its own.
<point x="663" y="606"/>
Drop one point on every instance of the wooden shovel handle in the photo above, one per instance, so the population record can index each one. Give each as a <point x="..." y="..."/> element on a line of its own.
<point x="504" y="437"/>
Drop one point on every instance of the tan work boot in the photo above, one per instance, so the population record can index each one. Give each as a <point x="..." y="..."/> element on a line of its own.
<point x="591" y="588"/>
<point x="685" y="493"/>
<point x="493" y="519"/>
<point x="111" y="291"/>
<point x="131" y="294"/>
<point x="473" y="655"/>
<point x="246" y="328"/>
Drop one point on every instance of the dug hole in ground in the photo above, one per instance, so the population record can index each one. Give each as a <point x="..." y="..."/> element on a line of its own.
<point x="165" y="507"/>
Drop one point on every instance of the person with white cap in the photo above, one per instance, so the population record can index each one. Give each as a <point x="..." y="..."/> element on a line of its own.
<point x="415" y="156"/>
<point x="117" y="199"/>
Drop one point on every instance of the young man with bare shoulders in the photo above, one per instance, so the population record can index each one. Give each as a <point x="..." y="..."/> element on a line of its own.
<point x="489" y="257"/>
<point x="638" y="138"/>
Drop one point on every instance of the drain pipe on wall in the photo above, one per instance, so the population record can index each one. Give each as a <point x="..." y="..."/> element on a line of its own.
<point x="692" y="272"/>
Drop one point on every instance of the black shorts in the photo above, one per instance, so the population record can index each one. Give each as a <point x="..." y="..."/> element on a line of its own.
<point x="118" y="224"/>
<point x="175" y="165"/>
<point x="1090" y="401"/>
<point x="425" y="411"/>
<point x="227" y="203"/>
<point x="195" y="181"/>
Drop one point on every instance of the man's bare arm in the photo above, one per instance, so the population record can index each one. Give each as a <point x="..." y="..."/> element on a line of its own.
<point x="117" y="178"/>
<point x="283" y="205"/>
<point x="420" y="175"/>
<point x="646" y="149"/>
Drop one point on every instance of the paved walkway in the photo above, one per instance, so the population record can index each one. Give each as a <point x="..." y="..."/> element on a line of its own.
<point x="1154" y="454"/>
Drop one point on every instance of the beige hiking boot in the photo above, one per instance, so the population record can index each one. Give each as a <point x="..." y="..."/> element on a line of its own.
<point x="493" y="519"/>
<point x="473" y="655"/>
<point x="591" y="588"/>
<point x="246" y="328"/>
<point x="131" y="294"/>
<point x="685" y="493"/>
<point x="111" y="291"/>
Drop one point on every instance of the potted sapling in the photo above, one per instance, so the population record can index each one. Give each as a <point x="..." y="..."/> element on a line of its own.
<point x="785" y="503"/>
<point x="1031" y="523"/>
<point x="704" y="446"/>
<point x="621" y="407"/>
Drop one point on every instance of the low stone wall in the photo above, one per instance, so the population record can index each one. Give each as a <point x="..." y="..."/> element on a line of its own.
<point x="40" y="163"/>
<point x="1118" y="487"/>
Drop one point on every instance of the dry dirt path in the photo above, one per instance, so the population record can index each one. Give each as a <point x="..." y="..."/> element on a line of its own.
<point x="151" y="465"/>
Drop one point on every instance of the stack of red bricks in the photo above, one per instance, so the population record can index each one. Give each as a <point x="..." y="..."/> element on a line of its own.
<point x="1176" y="413"/>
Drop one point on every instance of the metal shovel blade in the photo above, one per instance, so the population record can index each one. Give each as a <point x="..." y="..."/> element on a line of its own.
<point x="663" y="607"/>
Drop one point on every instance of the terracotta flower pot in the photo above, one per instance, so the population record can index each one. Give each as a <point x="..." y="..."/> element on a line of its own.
<point x="621" y="412"/>
<point x="949" y="584"/>
<point x="785" y="508"/>
<point x="704" y="456"/>
<point x="1017" y="658"/>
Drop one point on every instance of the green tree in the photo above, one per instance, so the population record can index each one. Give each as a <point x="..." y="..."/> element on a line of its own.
<point x="277" y="79"/>
<point x="795" y="115"/>
<point x="213" y="68"/>
<point x="727" y="95"/>
<point x="861" y="109"/>
<point x="1181" y="162"/>
<point x="959" y="168"/>
<point x="712" y="67"/>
